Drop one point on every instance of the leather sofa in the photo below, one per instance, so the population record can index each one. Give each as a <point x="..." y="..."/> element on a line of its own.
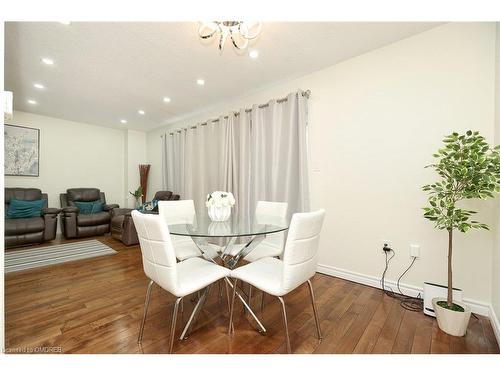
<point x="25" y="231"/>
<point x="76" y="225"/>
<point x="122" y="225"/>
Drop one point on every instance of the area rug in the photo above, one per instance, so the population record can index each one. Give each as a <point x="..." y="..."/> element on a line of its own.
<point x="19" y="260"/>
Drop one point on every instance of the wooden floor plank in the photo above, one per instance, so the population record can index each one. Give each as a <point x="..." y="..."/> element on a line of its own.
<point x="352" y="336"/>
<point x="490" y="336"/>
<point x="406" y="333"/>
<point x="423" y="335"/>
<point x="95" y="306"/>
<point x="440" y="343"/>
<point x="370" y="335"/>
<point x="388" y="334"/>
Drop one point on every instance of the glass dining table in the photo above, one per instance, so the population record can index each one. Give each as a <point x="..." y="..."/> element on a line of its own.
<point x="226" y="243"/>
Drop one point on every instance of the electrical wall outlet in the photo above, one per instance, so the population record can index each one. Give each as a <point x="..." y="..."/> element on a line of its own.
<point x="415" y="250"/>
<point x="385" y="242"/>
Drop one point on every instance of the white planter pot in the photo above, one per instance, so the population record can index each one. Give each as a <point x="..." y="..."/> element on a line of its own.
<point x="452" y="322"/>
<point x="219" y="213"/>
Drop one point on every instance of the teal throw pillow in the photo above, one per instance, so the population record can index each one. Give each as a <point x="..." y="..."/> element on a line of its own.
<point x="98" y="206"/>
<point x="19" y="209"/>
<point x="89" y="208"/>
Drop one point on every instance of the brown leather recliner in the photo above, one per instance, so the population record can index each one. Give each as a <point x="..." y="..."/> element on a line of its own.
<point x="24" y="231"/>
<point x="74" y="224"/>
<point x="122" y="225"/>
<point x="163" y="195"/>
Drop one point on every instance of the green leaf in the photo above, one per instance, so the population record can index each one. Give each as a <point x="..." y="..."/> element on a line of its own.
<point x="468" y="168"/>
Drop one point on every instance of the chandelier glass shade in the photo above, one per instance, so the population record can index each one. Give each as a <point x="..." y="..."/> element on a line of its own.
<point x="239" y="32"/>
<point x="7" y="105"/>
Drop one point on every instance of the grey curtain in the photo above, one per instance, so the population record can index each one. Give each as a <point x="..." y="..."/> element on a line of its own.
<point x="257" y="155"/>
<point x="173" y="154"/>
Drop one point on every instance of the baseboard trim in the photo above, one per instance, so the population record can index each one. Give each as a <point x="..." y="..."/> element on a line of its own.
<point x="478" y="307"/>
<point x="495" y="323"/>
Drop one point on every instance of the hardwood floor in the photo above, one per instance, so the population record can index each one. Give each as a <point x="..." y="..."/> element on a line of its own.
<point x="95" y="306"/>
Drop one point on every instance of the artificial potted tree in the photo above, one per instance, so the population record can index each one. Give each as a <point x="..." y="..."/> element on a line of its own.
<point x="469" y="168"/>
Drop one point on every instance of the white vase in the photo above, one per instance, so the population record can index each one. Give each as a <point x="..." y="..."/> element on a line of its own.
<point x="219" y="213"/>
<point x="219" y="228"/>
<point x="452" y="322"/>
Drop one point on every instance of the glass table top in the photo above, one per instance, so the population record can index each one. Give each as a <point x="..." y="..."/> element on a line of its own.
<point x="203" y="226"/>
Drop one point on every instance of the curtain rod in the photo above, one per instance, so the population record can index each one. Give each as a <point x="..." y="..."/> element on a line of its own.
<point x="305" y="94"/>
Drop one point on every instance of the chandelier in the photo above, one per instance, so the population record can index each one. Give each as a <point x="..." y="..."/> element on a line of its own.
<point x="7" y="107"/>
<point x="240" y="32"/>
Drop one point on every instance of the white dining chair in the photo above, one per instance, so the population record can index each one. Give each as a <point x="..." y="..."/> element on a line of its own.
<point x="279" y="277"/>
<point x="273" y="244"/>
<point x="180" y="212"/>
<point x="161" y="267"/>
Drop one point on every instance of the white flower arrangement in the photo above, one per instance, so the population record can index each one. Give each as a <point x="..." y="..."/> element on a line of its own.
<point x="220" y="199"/>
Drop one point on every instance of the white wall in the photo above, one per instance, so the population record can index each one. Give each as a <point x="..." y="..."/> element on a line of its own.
<point x="135" y="154"/>
<point x="72" y="155"/>
<point x="495" y="292"/>
<point x="375" y="121"/>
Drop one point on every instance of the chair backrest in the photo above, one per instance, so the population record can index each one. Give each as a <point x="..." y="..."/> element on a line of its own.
<point x="269" y="213"/>
<point x="158" y="254"/>
<point x="81" y="195"/>
<point x="300" y="257"/>
<point x="23" y="194"/>
<point x="162" y="195"/>
<point x="265" y="208"/>
<point x="177" y="212"/>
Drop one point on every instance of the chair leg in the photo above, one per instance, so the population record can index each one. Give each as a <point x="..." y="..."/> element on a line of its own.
<point x="182" y="311"/>
<point x="174" y="321"/>
<point x="313" y="302"/>
<point x="220" y="290"/>
<point x="285" y="323"/>
<point x="231" y="312"/>
<point x="146" y="305"/>
<point x="226" y="283"/>
<point x="194" y="314"/>
<point x="250" y="295"/>
<point x="262" y="302"/>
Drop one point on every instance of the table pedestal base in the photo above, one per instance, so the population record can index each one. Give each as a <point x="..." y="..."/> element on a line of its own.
<point x="210" y="254"/>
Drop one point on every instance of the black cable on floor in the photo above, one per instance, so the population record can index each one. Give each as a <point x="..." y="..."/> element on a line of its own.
<point x="387" y="261"/>
<point x="404" y="273"/>
<point x="406" y="302"/>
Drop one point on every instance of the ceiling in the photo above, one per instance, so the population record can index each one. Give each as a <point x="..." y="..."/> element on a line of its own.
<point x="105" y="72"/>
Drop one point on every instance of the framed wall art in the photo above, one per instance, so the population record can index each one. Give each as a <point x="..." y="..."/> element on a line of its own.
<point x="22" y="151"/>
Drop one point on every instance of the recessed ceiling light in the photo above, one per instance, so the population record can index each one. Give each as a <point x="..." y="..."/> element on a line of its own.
<point x="254" y="54"/>
<point x="123" y="121"/>
<point x="166" y="100"/>
<point x="65" y="22"/>
<point x="48" y="61"/>
<point x="38" y="86"/>
<point x="31" y="101"/>
<point x="200" y="82"/>
<point x="141" y="112"/>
